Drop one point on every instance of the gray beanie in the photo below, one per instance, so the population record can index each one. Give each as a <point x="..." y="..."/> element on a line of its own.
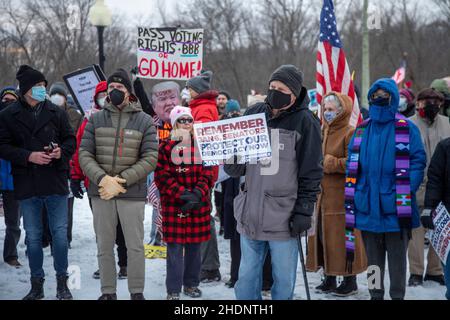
<point x="58" y="87"/>
<point x="290" y="76"/>
<point x="200" y="83"/>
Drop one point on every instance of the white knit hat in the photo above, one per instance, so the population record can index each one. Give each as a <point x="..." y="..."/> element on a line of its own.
<point x="179" y="112"/>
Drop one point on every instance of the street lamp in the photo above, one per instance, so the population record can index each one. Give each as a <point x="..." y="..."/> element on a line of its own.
<point x="100" y="16"/>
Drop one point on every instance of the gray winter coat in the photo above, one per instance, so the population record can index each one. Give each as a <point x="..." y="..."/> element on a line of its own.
<point x="266" y="204"/>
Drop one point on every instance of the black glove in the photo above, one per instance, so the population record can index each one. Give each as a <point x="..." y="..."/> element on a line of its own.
<point x="75" y="187"/>
<point x="427" y="219"/>
<point x="299" y="224"/>
<point x="191" y="199"/>
<point x="134" y="70"/>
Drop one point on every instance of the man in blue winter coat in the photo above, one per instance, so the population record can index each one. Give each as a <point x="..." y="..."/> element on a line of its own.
<point x="385" y="168"/>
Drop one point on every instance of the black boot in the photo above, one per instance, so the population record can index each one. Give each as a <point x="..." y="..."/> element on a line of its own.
<point x="415" y="280"/>
<point x="37" y="289"/>
<point x="108" y="296"/>
<point x="439" y="279"/>
<point x="347" y="288"/>
<point x="328" y="285"/>
<point x="137" y="296"/>
<point x="62" y="291"/>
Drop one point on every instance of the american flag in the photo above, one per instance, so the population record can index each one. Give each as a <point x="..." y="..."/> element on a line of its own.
<point x="333" y="73"/>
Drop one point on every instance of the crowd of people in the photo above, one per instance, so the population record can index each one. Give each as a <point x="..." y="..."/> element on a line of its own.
<point x="359" y="193"/>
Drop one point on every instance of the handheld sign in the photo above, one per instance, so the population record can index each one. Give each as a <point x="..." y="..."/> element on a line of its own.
<point x="171" y="54"/>
<point x="247" y="137"/>
<point x="441" y="234"/>
<point x="82" y="83"/>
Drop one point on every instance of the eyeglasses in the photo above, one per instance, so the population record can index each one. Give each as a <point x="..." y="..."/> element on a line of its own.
<point x="185" y="120"/>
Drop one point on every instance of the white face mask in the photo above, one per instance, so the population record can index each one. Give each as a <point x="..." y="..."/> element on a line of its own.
<point x="57" y="99"/>
<point x="101" y="102"/>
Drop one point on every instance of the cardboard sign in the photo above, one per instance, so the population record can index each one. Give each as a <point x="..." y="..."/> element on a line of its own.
<point x="82" y="83"/>
<point x="247" y="137"/>
<point x="171" y="54"/>
<point x="441" y="234"/>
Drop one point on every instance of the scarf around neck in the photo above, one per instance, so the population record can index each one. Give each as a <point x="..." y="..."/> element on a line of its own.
<point x="402" y="182"/>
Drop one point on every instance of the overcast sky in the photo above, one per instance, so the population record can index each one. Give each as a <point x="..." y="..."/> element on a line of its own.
<point x="145" y="10"/>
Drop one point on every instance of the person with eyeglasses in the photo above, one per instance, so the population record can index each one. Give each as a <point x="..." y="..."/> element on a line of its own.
<point x="185" y="187"/>
<point x="385" y="167"/>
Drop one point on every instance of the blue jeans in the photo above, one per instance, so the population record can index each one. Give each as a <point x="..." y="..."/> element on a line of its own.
<point x="31" y="210"/>
<point x="447" y="277"/>
<point x="284" y="268"/>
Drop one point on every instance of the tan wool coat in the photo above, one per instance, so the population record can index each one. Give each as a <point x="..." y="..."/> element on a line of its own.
<point x="327" y="247"/>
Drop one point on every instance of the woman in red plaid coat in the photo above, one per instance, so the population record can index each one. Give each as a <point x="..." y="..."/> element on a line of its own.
<point x="184" y="184"/>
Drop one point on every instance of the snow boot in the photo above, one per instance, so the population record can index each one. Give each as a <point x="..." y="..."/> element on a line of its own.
<point x="62" y="291"/>
<point x="37" y="289"/>
<point x="347" y="287"/>
<point x="328" y="285"/>
<point x="439" y="279"/>
<point x="137" y="296"/>
<point x="415" y="280"/>
<point x="108" y="296"/>
<point x="192" y="292"/>
<point x="173" y="296"/>
<point x="122" y="273"/>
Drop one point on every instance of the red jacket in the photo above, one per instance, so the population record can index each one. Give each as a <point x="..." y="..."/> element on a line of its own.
<point x="204" y="109"/>
<point x="75" y="170"/>
<point x="191" y="226"/>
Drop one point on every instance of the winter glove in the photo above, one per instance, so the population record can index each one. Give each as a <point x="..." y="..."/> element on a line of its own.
<point x="110" y="187"/>
<point x="427" y="219"/>
<point x="134" y="72"/>
<point x="75" y="187"/>
<point x="299" y="224"/>
<point x="191" y="199"/>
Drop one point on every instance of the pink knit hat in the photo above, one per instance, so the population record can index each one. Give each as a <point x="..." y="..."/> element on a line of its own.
<point x="179" y="112"/>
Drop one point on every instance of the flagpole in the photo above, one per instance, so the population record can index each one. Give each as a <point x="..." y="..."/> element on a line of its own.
<point x="365" y="56"/>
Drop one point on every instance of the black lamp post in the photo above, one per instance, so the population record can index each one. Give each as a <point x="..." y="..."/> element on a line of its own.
<point x="100" y="16"/>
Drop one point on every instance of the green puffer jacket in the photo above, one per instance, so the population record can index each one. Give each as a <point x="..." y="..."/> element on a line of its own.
<point x="119" y="143"/>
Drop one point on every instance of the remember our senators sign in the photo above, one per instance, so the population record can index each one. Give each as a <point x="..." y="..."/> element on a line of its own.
<point x="247" y="137"/>
<point x="171" y="53"/>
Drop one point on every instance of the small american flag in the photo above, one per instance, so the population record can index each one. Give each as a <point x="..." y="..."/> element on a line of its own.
<point x="333" y="73"/>
<point x="400" y="74"/>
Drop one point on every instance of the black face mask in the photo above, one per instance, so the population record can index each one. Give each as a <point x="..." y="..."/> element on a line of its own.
<point x="116" y="96"/>
<point x="431" y="110"/>
<point x="277" y="99"/>
<point x="3" y="105"/>
<point x="382" y="102"/>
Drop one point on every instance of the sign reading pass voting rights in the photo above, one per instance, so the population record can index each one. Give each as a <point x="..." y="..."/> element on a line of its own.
<point x="81" y="85"/>
<point x="171" y="53"/>
<point x="246" y="137"/>
<point x="440" y="239"/>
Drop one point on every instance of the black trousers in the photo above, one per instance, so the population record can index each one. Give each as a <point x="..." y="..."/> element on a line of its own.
<point x="12" y="222"/>
<point x="235" y="251"/>
<point x="395" y="245"/>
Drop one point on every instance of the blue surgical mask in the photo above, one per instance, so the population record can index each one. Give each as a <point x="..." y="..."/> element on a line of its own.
<point x="330" y="115"/>
<point x="38" y="93"/>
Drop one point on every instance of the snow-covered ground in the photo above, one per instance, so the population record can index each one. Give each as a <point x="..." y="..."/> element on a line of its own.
<point x="14" y="283"/>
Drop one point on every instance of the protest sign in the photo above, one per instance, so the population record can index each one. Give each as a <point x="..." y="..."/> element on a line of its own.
<point x="171" y="54"/>
<point x="247" y="137"/>
<point x="82" y="83"/>
<point x="441" y="234"/>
